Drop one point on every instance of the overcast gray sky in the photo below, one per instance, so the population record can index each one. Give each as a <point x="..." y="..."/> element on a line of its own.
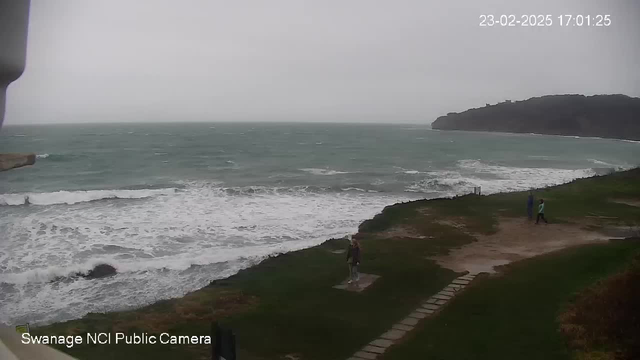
<point x="322" y="60"/>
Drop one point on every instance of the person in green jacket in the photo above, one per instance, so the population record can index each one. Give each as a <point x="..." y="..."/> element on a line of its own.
<point x="541" y="212"/>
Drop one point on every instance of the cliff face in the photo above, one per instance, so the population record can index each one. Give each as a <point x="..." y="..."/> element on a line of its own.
<point x="609" y="116"/>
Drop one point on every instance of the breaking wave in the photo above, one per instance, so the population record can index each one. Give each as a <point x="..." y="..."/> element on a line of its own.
<point x="163" y="247"/>
<point x="496" y="178"/>
<point x="323" y="172"/>
<point x="74" y="197"/>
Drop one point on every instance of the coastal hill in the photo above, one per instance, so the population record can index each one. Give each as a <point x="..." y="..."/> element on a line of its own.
<point x="607" y="116"/>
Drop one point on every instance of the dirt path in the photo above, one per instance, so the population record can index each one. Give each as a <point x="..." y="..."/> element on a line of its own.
<point x="630" y="202"/>
<point x="516" y="239"/>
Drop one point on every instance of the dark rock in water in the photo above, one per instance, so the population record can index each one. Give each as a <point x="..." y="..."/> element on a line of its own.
<point x="100" y="271"/>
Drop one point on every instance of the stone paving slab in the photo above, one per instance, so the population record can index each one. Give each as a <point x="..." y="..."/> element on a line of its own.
<point x="460" y="282"/>
<point x="441" y="297"/>
<point x="365" y="355"/>
<point x="446" y="292"/>
<point x="441" y="302"/>
<point x="423" y="310"/>
<point x="432" y="301"/>
<point x="394" y="334"/>
<point x="402" y="327"/>
<point x="409" y="321"/>
<point x="373" y="349"/>
<point x="431" y="306"/>
<point x="365" y="281"/>
<point x="418" y="315"/>
<point x="385" y="343"/>
<point x="451" y="289"/>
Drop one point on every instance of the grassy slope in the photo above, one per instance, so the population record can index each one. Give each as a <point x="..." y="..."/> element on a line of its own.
<point x="603" y="321"/>
<point x="286" y="305"/>
<point x="514" y="316"/>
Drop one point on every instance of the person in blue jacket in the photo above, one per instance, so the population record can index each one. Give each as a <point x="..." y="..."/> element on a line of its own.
<point x="530" y="205"/>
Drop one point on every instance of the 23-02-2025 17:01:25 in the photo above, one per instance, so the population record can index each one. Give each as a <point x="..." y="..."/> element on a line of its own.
<point x="544" y="20"/>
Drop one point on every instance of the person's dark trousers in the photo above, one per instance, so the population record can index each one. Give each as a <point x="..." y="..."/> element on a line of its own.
<point x="541" y="216"/>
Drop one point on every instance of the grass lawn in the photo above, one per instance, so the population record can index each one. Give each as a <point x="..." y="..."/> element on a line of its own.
<point x="286" y="304"/>
<point x="515" y="316"/>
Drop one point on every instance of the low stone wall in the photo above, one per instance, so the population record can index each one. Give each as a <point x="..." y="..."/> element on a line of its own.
<point x="12" y="161"/>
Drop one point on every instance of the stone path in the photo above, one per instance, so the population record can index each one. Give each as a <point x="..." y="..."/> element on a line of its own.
<point x="377" y="347"/>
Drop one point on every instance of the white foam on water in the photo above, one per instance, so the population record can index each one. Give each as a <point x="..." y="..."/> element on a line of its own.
<point x="541" y="157"/>
<point x="162" y="246"/>
<point x="603" y="163"/>
<point x="323" y="172"/>
<point x="517" y="178"/>
<point x="494" y="178"/>
<point x="74" y="197"/>
<point x="42" y="156"/>
<point x="357" y="189"/>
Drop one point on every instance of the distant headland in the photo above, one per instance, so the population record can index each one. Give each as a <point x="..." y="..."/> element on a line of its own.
<point x="607" y="116"/>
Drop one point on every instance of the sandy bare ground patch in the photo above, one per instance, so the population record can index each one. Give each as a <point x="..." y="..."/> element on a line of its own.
<point x="402" y="231"/>
<point x="456" y="223"/>
<point x="516" y="239"/>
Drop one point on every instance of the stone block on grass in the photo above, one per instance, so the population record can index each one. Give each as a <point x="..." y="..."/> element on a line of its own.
<point x="409" y="321"/>
<point x="365" y="281"/>
<point x="402" y="327"/>
<point x="385" y="343"/>
<point x="393" y="334"/>
<point x="373" y="349"/>
<point x="431" y="306"/>
<point x="425" y="311"/>
<point x="418" y="315"/>
<point x="365" y="355"/>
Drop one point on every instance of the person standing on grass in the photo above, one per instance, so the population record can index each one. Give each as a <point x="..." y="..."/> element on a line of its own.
<point x="530" y="205"/>
<point x="541" y="212"/>
<point x="353" y="260"/>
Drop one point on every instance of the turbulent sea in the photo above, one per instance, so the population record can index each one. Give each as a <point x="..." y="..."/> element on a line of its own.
<point x="174" y="206"/>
